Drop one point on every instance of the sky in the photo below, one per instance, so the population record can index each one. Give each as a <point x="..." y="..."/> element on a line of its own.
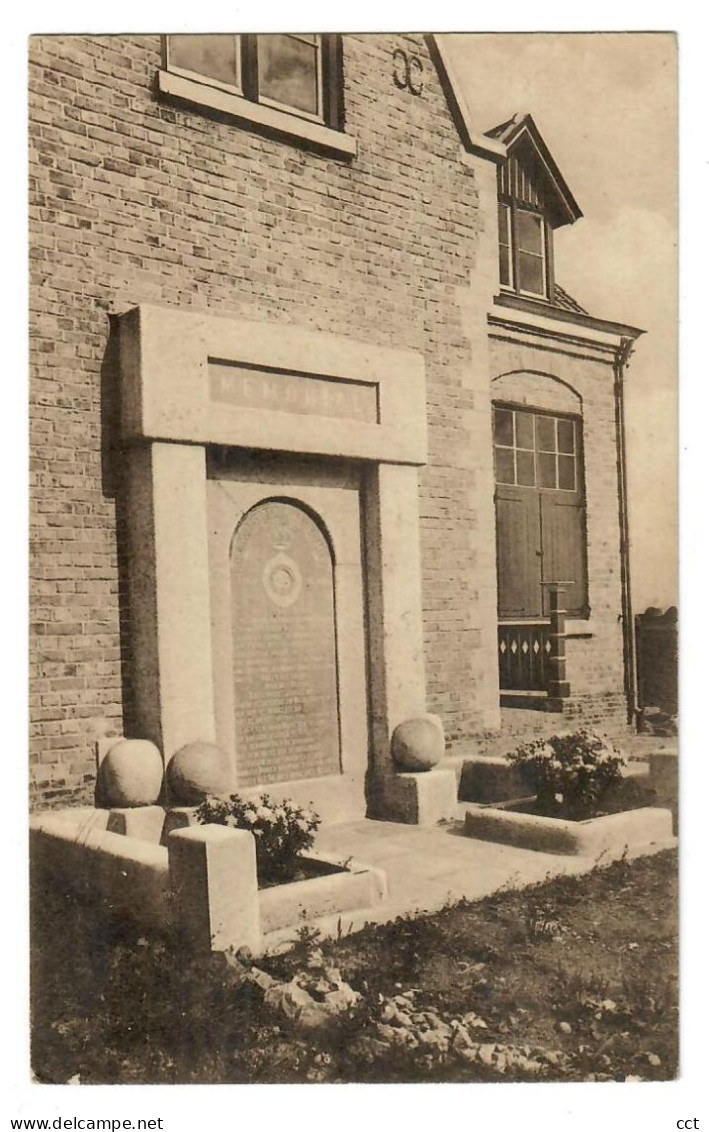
<point x="606" y="106"/>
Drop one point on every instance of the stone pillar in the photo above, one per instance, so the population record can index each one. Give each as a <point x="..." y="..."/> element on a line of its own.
<point x="558" y="688"/>
<point x="476" y="459"/>
<point x="169" y="595"/>
<point x="214" y="887"/>
<point x="397" y="677"/>
<point x="398" y="688"/>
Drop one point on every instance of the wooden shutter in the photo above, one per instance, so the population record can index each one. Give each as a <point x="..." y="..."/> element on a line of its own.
<point x="519" y="562"/>
<point x="563" y="547"/>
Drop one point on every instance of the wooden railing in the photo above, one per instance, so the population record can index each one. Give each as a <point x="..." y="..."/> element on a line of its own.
<point x="532" y="654"/>
<point x="523" y="649"/>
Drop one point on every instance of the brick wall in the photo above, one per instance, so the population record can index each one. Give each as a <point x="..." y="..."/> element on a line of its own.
<point x="135" y="200"/>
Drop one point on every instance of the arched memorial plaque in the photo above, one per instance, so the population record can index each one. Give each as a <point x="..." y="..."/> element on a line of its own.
<point x="284" y="647"/>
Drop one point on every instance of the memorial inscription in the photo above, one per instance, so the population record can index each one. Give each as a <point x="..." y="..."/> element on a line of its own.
<point x="302" y="393"/>
<point x="285" y="664"/>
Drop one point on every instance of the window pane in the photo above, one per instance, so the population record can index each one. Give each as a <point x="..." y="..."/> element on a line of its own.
<point x="211" y="55"/>
<point x="505" y="277"/>
<point x="546" y="434"/>
<point x="529" y="232"/>
<point x="525" y="431"/>
<point x="503" y="222"/>
<point x="531" y="273"/>
<point x="503" y="427"/>
<point x="567" y="468"/>
<point x="504" y="465"/>
<point x="547" y="469"/>
<point x="566" y="436"/>
<point x="288" y="71"/>
<point x="525" y="469"/>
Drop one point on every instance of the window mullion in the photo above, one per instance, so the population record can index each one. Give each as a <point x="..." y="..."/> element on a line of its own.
<point x="515" y="248"/>
<point x="514" y="445"/>
<point x="549" y="259"/>
<point x="249" y="67"/>
<point x="319" y="80"/>
<point x="542" y="597"/>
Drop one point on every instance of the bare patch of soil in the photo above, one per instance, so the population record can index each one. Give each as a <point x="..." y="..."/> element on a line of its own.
<point x="579" y="971"/>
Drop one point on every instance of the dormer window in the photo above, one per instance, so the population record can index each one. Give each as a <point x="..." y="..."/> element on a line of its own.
<point x="533" y="200"/>
<point x="524" y="240"/>
<point x="531" y="242"/>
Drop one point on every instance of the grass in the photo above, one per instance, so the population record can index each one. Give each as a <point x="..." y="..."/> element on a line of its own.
<point x="581" y="972"/>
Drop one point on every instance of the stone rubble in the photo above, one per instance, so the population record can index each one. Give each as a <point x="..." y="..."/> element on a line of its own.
<point x="317" y="993"/>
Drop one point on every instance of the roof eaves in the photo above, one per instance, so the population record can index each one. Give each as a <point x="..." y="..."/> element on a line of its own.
<point x="561" y="314"/>
<point x="478" y="144"/>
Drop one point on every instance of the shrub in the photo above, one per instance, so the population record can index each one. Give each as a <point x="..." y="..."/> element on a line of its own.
<point x="282" y="831"/>
<point x="570" y="772"/>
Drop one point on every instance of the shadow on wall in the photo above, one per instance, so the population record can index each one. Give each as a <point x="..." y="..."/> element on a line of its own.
<point x="657" y="660"/>
<point x="112" y="466"/>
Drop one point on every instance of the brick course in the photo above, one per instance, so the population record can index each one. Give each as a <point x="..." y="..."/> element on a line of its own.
<point x="134" y="199"/>
<point x="137" y="200"/>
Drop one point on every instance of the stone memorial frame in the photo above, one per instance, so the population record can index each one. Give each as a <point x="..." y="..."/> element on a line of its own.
<point x="330" y="497"/>
<point x="177" y="414"/>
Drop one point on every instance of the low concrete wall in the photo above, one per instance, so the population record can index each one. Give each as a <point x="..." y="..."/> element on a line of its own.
<point x="201" y="886"/>
<point x="609" y="834"/>
<point x="127" y="876"/>
<point x="490" y="779"/>
<point x="289" y="904"/>
<point x="664" y="776"/>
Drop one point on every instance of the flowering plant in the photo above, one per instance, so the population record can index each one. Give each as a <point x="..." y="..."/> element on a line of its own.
<point x="282" y="831"/>
<point x="570" y="772"/>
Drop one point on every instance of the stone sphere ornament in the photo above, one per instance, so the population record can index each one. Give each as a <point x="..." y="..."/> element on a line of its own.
<point x="196" y="771"/>
<point x="418" y="744"/>
<point x="130" y="774"/>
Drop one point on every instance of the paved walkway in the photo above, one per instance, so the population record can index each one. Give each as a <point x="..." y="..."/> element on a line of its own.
<point x="429" y="867"/>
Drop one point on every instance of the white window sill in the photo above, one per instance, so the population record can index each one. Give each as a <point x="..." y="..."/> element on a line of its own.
<point x="268" y="117"/>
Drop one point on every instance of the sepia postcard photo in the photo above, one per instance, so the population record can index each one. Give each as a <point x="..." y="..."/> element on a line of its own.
<point x="353" y="572"/>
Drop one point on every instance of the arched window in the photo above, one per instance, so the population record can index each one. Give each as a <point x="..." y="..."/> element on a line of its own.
<point x="540" y="510"/>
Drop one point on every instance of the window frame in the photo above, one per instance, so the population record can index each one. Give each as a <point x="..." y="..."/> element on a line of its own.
<point x="504" y="209"/>
<point x="538" y="451"/>
<point x="579" y="609"/>
<point x="320" y="50"/>
<point x="328" y="78"/>
<point x="513" y="209"/>
<point x="207" y="80"/>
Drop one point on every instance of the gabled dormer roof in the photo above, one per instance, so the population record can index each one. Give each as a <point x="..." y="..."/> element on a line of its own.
<point x="531" y="169"/>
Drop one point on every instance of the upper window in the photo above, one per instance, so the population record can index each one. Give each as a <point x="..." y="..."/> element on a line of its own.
<point x="298" y="74"/>
<point x="524" y="238"/>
